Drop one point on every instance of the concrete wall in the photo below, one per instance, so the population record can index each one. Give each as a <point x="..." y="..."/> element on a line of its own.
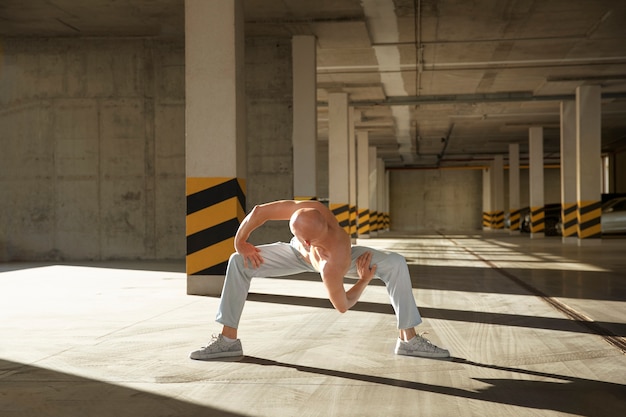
<point x="92" y="160"/>
<point x="269" y="98"/>
<point x="452" y="199"/>
<point x="435" y="200"/>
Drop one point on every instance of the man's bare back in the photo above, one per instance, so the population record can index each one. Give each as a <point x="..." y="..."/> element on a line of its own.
<point x="331" y="252"/>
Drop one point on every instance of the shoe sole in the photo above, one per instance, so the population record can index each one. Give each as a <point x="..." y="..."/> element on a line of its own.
<point x="422" y="354"/>
<point x="217" y="356"/>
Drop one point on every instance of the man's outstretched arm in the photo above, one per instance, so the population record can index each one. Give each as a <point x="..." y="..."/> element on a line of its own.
<point x="344" y="300"/>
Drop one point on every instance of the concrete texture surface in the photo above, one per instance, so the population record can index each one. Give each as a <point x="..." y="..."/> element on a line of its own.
<point x="112" y="338"/>
<point x="93" y="149"/>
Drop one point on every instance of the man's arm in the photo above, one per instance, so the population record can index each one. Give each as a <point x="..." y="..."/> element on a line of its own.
<point x="344" y="300"/>
<point x="277" y="210"/>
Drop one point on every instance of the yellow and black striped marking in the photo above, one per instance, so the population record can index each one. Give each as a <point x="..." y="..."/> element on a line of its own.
<point x="514" y="218"/>
<point x="342" y="214"/>
<point x="570" y="220"/>
<point x="497" y="220"/>
<point x="486" y="219"/>
<point x="373" y="220"/>
<point x="387" y="221"/>
<point x="537" y="220"/>
<point x="215" y="208"/>
<point x="305" y="198"/>
<point x="364" y="222"/>
<point x="353" y="221"/>
<point x="589" y="219"/>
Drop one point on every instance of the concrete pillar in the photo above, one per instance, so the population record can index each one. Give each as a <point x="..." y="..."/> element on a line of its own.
<point x="487" y="199"/>
<point x="338" y="159"/>
<point x="537" y="211"/>
<point x="304" y="117"/>
<point x="497" y="189"/>
<point x="215" y="119"/>
<point x="363" y="193"/>
<point x="514" y="189"/>
<point x="588" y="164"/>
<point x="380" y="199"/>
<point x="353" y="117"/>
<point x="387" y="221"/>
<point x="373" y="191"/>
<point x="568" y="172"/>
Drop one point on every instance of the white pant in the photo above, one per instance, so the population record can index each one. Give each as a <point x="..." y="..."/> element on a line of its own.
<point x="282" y="259"/>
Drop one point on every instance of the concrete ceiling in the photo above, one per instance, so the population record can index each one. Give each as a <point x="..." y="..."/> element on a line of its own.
<point x="436" y="82"/>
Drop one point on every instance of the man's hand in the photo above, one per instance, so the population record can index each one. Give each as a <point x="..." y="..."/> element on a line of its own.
<point x="251" y="255"/>
<point x="363" y="268"/>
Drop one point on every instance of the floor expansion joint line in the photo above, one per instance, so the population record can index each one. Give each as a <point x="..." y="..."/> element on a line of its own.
<point x="610" y="337"/>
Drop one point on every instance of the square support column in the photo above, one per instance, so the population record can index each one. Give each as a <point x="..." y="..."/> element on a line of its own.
<point x="514" y="189"/>
<point x="304" y="117"/>
<point x="215" y="141"/>
<point x="589" y="163"/>
<point x="373" y="193"/>
<point x="338" y="162"/>
<point x="537" y="204"/>
<point x="353" y="117"/>
<point x="497" y="192"/>
<point x="363" y="192"/>
<point x="568" y="173"/>
<point x="487" y="213"/>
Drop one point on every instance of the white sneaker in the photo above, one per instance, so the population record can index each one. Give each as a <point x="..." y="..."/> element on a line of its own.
<point x="218" y="347"/>
<point x="420" y="346"/>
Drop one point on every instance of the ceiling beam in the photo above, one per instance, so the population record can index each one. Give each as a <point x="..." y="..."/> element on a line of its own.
<point x="470" y="98"/>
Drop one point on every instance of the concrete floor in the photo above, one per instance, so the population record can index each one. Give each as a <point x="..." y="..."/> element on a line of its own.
<point x="536" y="328"/>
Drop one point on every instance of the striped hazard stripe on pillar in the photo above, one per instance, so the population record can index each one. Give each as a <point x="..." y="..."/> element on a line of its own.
<point x="514" y="218"/>
<point x="381" y="221"/>
<point x="486" y="219"/>
<point x="215" y="209"/>
<point x="570" y="220"/>
<point x="342" y="214"/>
<point x="497" y="220"/>
<point x="364" y="222"/>
<point x="373" y="220"/>
<point x="589" y="219"/>
<point x="305" y="198"/>
<point x="353" y="221"/>
<point x="537" y="220"/>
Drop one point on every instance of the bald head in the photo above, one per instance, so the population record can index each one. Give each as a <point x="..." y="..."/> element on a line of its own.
<point x="308" y="224"/>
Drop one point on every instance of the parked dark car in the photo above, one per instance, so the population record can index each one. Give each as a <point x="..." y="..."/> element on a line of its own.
<point x="552" y="219"/>
<point x="614" y="216"/>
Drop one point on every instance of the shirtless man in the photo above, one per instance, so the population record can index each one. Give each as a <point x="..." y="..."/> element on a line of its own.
<point x="319" y="245"/>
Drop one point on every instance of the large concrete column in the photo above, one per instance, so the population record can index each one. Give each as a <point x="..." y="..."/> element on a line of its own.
<point x="353" y="117"/>
<point x="387" y="221"/>
<point x="338" y="159"/>
<point x="487" y="199"/>
<point x="514" y="189"/>
<point x="568" y="172"/>
<point x="497" y="190"/>
<point x="537" y="210"/>
<point x="304" y="117"/>
<point x="588" y="164"/>
<point x="214" y="120"/>
<point x="373" y="191"/>
<point x="381" y="191"/>
<point x="363" y="190"/>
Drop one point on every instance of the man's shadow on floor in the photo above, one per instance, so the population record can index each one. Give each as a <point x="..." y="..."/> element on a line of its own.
<point x="542" y="391"/>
